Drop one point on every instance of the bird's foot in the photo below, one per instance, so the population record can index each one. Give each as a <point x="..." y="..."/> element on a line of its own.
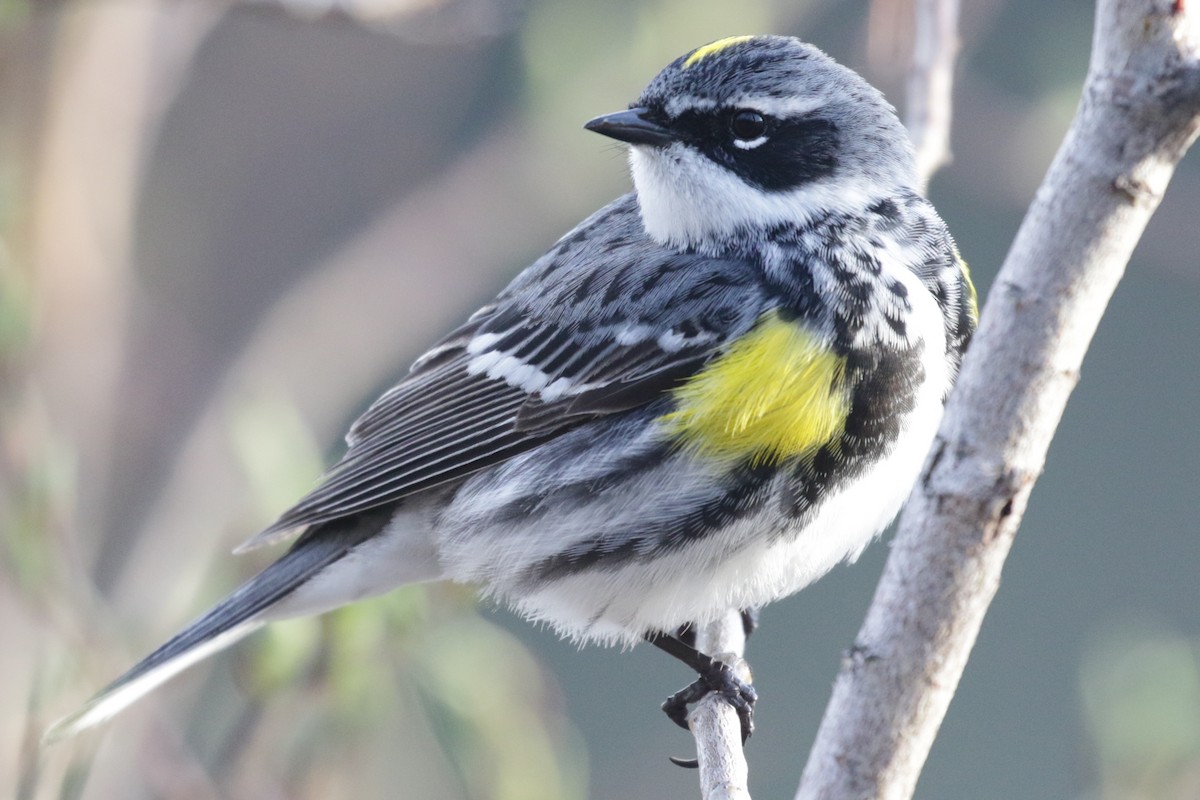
<point x="721" y="679"/>
<point x="714" y="676"/>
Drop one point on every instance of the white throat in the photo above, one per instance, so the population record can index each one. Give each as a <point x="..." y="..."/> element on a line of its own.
<point x="688" y="201"/>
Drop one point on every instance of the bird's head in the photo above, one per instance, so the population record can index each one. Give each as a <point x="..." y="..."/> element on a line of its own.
<point x="754" y="131"/>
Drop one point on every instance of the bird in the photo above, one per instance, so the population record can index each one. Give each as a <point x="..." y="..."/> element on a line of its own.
<point x="702" y="398"/>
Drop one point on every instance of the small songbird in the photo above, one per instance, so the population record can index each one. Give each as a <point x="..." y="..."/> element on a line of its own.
<point x="702" y="398"/>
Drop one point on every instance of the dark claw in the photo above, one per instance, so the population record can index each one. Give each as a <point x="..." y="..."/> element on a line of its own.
<point x="738" y="694"/>
<point x="686" y="763"/>
<point x="676" y="706"/>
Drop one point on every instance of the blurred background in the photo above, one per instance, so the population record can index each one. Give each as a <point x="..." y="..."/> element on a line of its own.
<point x="224" y="227"/>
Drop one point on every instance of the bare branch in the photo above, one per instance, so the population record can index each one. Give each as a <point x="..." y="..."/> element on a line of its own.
<point x="1139" y="113"/>
<point x="715" y="724"/>
<point x="930" y="83"/>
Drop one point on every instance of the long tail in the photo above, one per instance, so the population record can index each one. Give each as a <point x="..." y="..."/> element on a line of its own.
<point x="235" y="617"/>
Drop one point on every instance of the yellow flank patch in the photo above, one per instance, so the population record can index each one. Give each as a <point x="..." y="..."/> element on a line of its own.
<point x="700" y="53"/>
<point x="973" y="297"/>
<point x="776" y="393"/>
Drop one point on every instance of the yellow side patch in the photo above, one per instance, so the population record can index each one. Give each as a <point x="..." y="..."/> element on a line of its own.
<point x="777" y="393"/>
<point x="973" y="297"/>
<point x="701" y="53"/>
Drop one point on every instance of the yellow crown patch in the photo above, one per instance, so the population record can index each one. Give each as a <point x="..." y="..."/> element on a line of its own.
<point x="701" y="53"/>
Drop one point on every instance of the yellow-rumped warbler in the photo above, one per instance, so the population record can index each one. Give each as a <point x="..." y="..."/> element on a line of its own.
<point x="702" y="398"/>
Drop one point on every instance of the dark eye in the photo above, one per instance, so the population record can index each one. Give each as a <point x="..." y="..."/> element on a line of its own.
<point x="747" y="125"/>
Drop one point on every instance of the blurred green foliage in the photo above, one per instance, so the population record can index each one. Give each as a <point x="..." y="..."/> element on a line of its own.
<point x="276" y="450"/>
<point x="485" y="695"/>
<point x="1140" y="692"/>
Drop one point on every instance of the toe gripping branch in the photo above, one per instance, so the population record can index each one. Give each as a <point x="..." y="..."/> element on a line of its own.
<point x="714" y="676"/>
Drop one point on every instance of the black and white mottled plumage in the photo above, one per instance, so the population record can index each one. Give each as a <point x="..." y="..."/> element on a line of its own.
<point x="538" y="450"/>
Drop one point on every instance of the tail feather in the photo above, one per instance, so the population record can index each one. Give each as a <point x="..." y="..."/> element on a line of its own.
<point x="139" y="682"/>
<point x="235" y="617"/>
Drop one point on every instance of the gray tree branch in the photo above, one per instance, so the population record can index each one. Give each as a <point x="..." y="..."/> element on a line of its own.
<point x="1139" y="113"/>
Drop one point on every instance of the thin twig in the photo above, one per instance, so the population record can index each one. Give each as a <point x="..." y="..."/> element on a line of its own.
<point x="723" y="771"/>
<point x="930" y="84"/>
<point x="1139" y="113"/>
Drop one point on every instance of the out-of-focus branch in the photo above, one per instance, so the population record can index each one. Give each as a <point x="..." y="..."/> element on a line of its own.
<point x="1139" y="113"/>
<point x="930" y="83"/>
<point x="111" y="85"/>
<point x="723" y="771"/>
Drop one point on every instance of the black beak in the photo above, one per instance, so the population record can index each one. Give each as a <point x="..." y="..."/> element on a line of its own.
<point x="632" y="126"/>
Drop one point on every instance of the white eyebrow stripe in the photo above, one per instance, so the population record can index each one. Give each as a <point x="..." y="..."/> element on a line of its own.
<point x="771" y="106"/>
<point x="688" y="102"/>
<point x="778" y="106"/>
